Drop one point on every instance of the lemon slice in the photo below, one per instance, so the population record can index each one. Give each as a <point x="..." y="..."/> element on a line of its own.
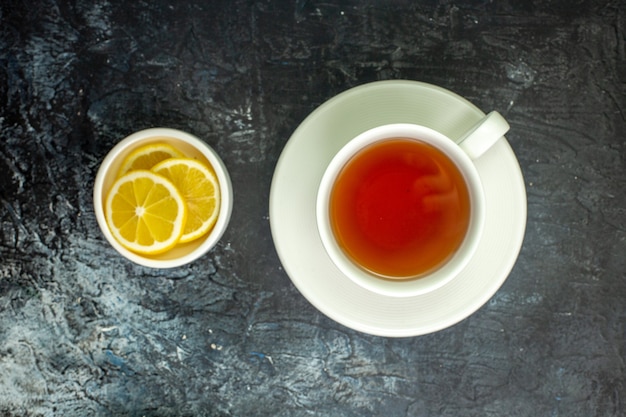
<point x="145" y="212"/>
<point x="199" y="187"/>
<point x="147" y="156"/>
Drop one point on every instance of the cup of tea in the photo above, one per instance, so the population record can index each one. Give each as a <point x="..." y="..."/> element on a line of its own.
<point x="135" y="160"/>
<point x="400" y="208"/>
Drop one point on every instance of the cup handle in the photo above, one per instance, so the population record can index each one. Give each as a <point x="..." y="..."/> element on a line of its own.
<point x="483" y="135"/>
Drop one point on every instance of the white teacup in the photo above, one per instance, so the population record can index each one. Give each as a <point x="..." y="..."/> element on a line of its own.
<point x="452" y="260"/>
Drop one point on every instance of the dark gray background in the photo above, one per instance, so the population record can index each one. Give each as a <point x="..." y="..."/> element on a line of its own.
<point x="84" y="332"/>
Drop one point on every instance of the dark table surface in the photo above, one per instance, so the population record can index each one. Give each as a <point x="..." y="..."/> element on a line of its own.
<point x="85" y="332"/>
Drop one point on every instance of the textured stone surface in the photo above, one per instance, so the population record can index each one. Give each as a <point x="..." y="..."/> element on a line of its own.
<point x="84" y="332"/>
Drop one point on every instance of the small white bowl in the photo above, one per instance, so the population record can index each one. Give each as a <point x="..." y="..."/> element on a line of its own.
<point x="192" y="147"/>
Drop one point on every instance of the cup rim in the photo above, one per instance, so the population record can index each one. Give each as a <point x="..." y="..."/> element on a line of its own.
<point x="434" y="279"/>
<point x="203" y="245"/>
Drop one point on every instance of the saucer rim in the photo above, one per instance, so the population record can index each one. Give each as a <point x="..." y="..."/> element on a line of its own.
<point x="355" y="323"/>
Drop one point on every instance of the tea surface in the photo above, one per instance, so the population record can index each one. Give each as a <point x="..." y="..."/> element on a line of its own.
<point x="399" y="208"/>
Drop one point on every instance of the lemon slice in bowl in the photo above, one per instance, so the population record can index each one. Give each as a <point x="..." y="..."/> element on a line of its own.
<point x="145" y="212"/>
<point x="147" y="156"/>
<point x="199" y="187"/>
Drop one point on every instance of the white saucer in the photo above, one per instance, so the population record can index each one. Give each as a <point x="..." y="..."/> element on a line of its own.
<point x="293" y="198"/>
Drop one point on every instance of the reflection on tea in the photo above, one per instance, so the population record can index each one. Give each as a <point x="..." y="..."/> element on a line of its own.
<point x="399" y="208"/>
